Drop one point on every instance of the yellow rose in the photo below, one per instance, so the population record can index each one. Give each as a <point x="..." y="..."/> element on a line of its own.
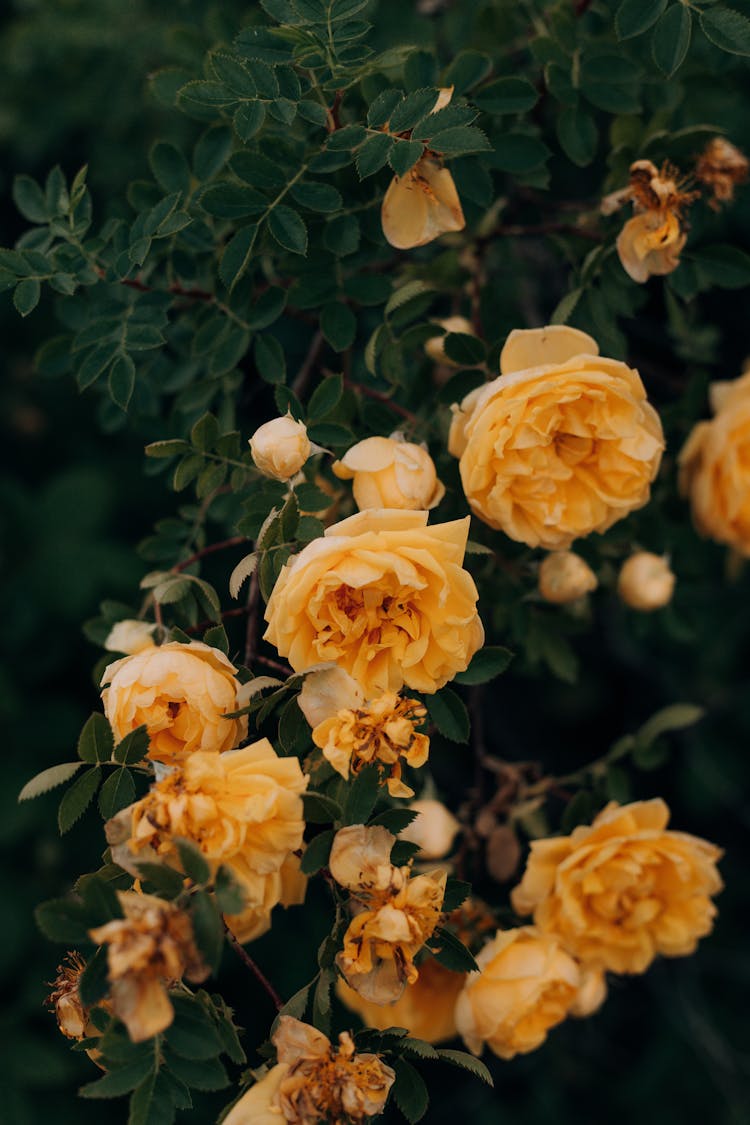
<point x="650" y="244"/>
<point x="715" y="467"/>
<point x="280" y="447"/>
<point x="242" y="809"/>
<point x="130" y="637"/>
<point x="435" y="346"/>
<point x="383" y="596"/>
<point x="390" y="473"/>
<point x="286" y="887"/>
<point x="623" y="890"/>
<point x="426" y="1008"/>
<point x="260" y="1104"/>
<point x="565" y="577"/>
<point x="645" y="581"/>
<point x="433" y="830"/>
<point x="526" y="984"/>
<point x="181" y="692"/>
<point x="420" y="206"/>
<point x="564" y="443"/>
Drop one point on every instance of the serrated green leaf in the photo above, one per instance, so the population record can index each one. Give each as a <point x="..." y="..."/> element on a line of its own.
<point x="317" y="853"/>
<point x="48" y="779"/>
<point x="117" y="793"/>
<point x="338" y="325"/>
<point x="409" y="1091"/>
<point x="269" y="359"/>
<point x="448" y="712"/>
<point x="288" y="229"/>
<point x="192" y="1034"/>
<point x="26" y="296"/>
<point x="77" y="799"/>
<point x="133" y="747"/>
<point x="489" y="662"/>
<point x="577" y="134"/>
<point x="207" y="927"/>
<point x="507" y="95"/>
<point x="727" y="29"/>
<point x="633" y="17"/>
<point x="671" y="38"/>
<point x="121" y="381"/>
<point x="466" y="1062"/>
<point x="120" y="1081"/>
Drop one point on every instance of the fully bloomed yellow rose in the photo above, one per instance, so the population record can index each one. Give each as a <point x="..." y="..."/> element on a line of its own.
<point x="243" y="809"/>
<point x="715" y="467"/>
<point x="426" y="1008"/>
<point x="526" y="984"/>
<point x="622" y="890"/>
<point x="383" y="596"/>
<point x="182" y="693"/>
<point x="562" y="444"/>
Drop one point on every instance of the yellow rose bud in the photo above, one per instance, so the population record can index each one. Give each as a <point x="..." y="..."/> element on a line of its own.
<point x="280" y="447"/>
<point x="420" y="206"/>
<point x="621" y="891"/>
<point x="525" y="986"/>
<point x="564" y="445"/>
<point x="434" y="829"/>
<point x="426" y="1008"/>
<point x="565" y="577"/>
<point x="182" y="693"/>
<point x="714" y="470"/>
<point x="383" y="596"/>
<point x="390" y="473"/>
<point x="130" y="637"/>
<point x="646" y="581"/>
<point x="435" y="346"/>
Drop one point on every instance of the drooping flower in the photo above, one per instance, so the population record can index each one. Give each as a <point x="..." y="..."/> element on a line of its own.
<point x="242" y="809"/>
<point x="623" y="890"/>
<point x="73" y="1018"/>
<point x="565" y="577"/>
<point x="721" y="167"/>
<point x="390" y="473"/>
<point x="715" y="467"/>
<point x="383" y="596"/>
<point x="182" y="692"/>
<point x="526" y="985"/>
<point x="396" y="913"/>
<point x="651" y="242"/>
<point x="149" y="949"/>
<point x="280" y="447"/>
<point x="646" y="581"/>
<point x="315" y="1082"/>
<point x="562" y="444"/>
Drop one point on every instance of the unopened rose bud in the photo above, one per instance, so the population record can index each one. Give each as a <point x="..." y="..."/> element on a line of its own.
<point x="564" y="577"/>
<point x="390" y="473"/>
<point x="280" y="447"/>
<point x="646" y="581"/>
<point x="130" y="637"/>
<point x="434" y="829"/>
<point x="435" y="346"/>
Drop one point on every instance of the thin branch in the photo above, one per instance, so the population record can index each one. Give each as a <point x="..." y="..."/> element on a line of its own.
<point x="223" y="545"/>
<point x="257" y="972"/>
<point x="252" y="609"/>
<point x="276" y="665"/>
<point x="202" y="625"/>
<point x="303" y="375"/>
<point x="386" y="401"/>
<point x="582" y="6"/>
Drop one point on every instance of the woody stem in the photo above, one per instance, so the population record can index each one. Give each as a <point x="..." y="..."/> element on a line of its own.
<point x="254" y="969"/>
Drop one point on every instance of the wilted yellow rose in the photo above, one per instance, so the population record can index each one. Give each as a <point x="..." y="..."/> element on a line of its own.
<point x="420" y="206"/>
<point x="623" y="890"/>
<point x="650" y="245"/>
<point x="721" y="166"/>
<point x="646" y="581"/>
<point x="242" y="809"/>
<point x="280" y="447"/>
<point x="314" y="1082"/>
<point x="435" y="346"/>
<point x="130" y="637"/>
<point x="565" y="577"/>
<point x="426" y="1008"/>
<point x="383" y="596"/>
<point x="390" y="473"/>
<point x="433" y="830"/>
<point x="286" y="887"/>
<point x="148" y="949"/>
<point x="73" y="1018"/>
<point x="182" y="693"/>
<point x="526" y="984"/>
<point x="564" y="443"/>
<point x="715" y="467"/>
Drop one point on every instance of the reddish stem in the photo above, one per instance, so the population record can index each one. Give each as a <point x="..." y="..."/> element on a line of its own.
<point x="255" y="969"/>
<point x="386" y="401"/>
<point x="235" y="541"/>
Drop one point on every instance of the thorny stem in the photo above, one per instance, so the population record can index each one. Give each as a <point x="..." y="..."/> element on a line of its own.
<point x="255" y="969"/>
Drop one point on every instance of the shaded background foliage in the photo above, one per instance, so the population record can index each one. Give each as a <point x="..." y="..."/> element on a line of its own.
<point x="668" y="1047"/>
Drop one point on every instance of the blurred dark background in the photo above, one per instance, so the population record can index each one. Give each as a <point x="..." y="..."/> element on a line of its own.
<point x="669" y="1048"/>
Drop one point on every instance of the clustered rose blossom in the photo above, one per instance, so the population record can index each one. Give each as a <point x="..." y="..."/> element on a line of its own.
<point x="314" y="1082"/>
<point x="385" y="597"/>
<point x="182" y="693"/>
<point x="151" y="948"/>
<point x="715" y="467"/>
<point x="562" y="444"/>
<point x="395" y="913"/>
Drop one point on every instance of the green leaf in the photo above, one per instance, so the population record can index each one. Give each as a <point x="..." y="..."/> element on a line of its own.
<point x="217" y="637"/>
<point x="29" y="199"/>
<point x="64" y="920"/>
<point x="338" y="325"/>
<point x="671" y="38"/>
<point x="117" y="793"/>
<point x="170" y="168"/>
<point x="168" y="448"/>
<point x="468" y="351"/>
<point x="26" y="296"/>
<point x="327" y="434"/>
<point x="232" y="201"/>
<point x="323" y="400"/>
<point x="48" y="779"/>
<point x="459" y="140"/>
<point x="193" y="861"/>
<point x="374" y="154"/>
<point x="206" y="1074"/>
<point x="168" y="882"/>
<point x="289" y="230"/>
<point x="727" y="29"/>
<point x="404" y="155"/>
<point x="230" y="895"/>
<point x="93" y="983"/>
<point x="456" y="892"/>
<point x="507" y="95"/>
<point x="451" y="952"/>
<point x="207" y="927"/>
<point x="395" y="820"/>
<point x="675" y="717"/>
<point x="362" y="796"/>
<point x="467" y="1062"/>
<point x="120" y="1081"/>
<point x="412" y="109"/>
<point x="418" y="1048"/>
<point x="449" y="714"/>
<point x="320" y="809"/>
<point x="212" y="152"/>
<point x="725" y="266"/>
<point x="151" y="1103"/>
<point x="577" y="134"/>
<point x="468" y="68"/>
<point x="249" y="119"/>
<point x="410" y="1091"/>
<point x="579" y="810"/>
<point x="519" y="153"/>
<point x="78" y="798"/>
<point x="237" y="255"/>
<point x="611" y="83"/>
<point x="488" y="663"/>
<point x="564" y="309"/>
<point x="633" y="17"/>
<point x="121" y="381"/>
<point x="134" y="746"/>
<point x="382" y="108"/>
<point x="317" y="853"/>
<point x="317" y="196"/>
<point x="270" y="359"/>
<point x="192" y="1034"/>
